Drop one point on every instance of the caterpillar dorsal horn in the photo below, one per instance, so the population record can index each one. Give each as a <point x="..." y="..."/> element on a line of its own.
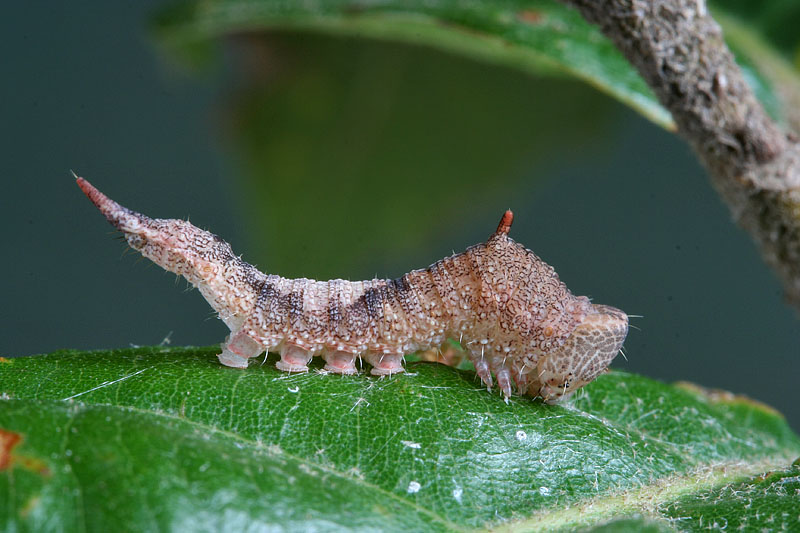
<point x="518" y="322"/>
<point x="505" y="222"/>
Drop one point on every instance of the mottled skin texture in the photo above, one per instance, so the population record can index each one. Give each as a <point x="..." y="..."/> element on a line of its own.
<point x="508" y="308"/>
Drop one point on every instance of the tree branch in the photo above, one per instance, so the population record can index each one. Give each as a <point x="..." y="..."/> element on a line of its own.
<point x="678" y="49"/>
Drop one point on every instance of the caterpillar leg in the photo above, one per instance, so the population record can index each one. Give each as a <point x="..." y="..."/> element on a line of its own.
<point x="504" y="380"/>
<point x="237" y="349"/>
<point x="340" y="362"/>
<point x="481" y="364"/>
<point x="521" y="381"/>
<point x="293" y="359"/>
<point x="385" y="364"/>
<point x="488" y="361"/>
<point x="447" y="354"/>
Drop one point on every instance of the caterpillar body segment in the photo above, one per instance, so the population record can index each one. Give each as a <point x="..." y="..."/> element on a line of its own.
<point x="519" y="324"/>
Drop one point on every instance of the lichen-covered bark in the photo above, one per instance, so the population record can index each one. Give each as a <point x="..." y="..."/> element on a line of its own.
<point x="679" y="50"/>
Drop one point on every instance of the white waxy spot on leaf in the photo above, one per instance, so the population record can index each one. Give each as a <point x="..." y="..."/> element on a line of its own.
<point x="411" y="444"/>
<point x="294" y="389"/>
<point x="521" y="435"/>
<point x="457" y="493"/>
<point x="413" y="487"/>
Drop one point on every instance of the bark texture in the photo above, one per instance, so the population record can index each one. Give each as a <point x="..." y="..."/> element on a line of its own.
<point x="679" y="50"/>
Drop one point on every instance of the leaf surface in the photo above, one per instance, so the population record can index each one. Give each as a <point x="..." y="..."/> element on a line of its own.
<point x="158" y="438"/>
<point x="541" y="36"/>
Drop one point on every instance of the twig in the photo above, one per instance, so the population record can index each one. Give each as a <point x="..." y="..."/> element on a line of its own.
<point x="678" y="49"/>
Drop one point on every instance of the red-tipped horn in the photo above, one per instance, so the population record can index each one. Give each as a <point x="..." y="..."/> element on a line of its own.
<point x="120" y="217"/>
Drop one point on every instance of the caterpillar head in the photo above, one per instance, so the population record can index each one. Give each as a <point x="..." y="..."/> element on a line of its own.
<point x="585" y="354"/>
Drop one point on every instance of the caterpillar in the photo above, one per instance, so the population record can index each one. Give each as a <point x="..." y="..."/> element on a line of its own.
<point x="516" y="319"/>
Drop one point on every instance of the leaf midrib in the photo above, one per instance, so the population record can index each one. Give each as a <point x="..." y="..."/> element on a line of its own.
<point x="646" y="499"/>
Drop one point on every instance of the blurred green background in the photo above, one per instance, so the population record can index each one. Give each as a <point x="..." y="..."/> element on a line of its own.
<point x="332" y="157"/>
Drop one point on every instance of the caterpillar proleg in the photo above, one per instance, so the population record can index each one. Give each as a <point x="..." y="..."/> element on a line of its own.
<point x="519" y="324"/>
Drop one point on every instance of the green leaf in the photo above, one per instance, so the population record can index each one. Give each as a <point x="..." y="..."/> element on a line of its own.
<point x="541" y="36"/>
<point x="637" y="524"/>
<point x="768" y="502"/>
<point x="166" y="438"/>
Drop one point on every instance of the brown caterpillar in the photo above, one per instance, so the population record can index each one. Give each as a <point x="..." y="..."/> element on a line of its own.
<point x="508" y="308"/>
